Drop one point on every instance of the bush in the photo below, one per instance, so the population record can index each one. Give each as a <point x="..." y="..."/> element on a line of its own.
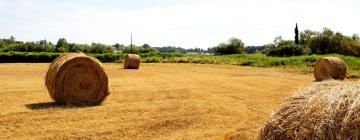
<point x="234" y="46"/>
<point x="162" y="55"/>
<point x="287" y="50"/>
<point x="138" y="49"/>
<point x="47" y="57"/>
<point x="108" y="57"/>
<point x="26" y="57"/>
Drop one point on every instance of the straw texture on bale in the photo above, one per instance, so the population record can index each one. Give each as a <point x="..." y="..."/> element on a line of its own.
<point x="131" y="61"/>
<point x="328" y="110"/>
<point x="77" y="79"/>
<point x="329" y="68"/>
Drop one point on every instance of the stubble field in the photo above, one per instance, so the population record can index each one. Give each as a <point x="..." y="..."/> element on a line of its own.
<point x="159" y="101"/>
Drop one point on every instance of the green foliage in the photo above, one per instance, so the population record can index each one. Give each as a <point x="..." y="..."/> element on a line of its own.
<point x="7" y="45"/>
<point x="302" y="63"/>
<point x="61" y="45"/>
<point x="306" y="35"/>
<point x="108" y="57"/>
<point x="117" y="46"/>
<point x="255" y="49"/>
<point x="162" y="55"/>
<point x="138" y="49"/>
<point x="146" y="46"/>
<point x="79" y="48"/>
<point x="286" y="48"/>
<point x="234" y="46"/>
<point x="100" y="48"/>
<point x="326" y="42"/>
<point x="25" y="57"/>
<point x="46" y="57"/>
<point x="330" y="42"/>
<point x="28" y="47"/>
<point x="170" y="49"/>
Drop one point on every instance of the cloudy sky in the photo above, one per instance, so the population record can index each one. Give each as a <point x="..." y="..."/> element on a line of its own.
<point x="184" y="23"/>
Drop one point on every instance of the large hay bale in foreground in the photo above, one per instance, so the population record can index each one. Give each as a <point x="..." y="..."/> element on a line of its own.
<point x="328" y="110"/>
<point x="77" y="79"/>
<point x="131" y="61"/>
<point x="329" y="67"/>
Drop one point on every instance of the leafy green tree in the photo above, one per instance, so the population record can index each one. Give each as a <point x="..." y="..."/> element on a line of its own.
<point x="234" y="46"/>
<point x="335" y="43"/>
<point x="61" y="45"/>
<point x="146" y="46"/>
<point x="277" y="41"/>
<point x="85" y="48"/>
<point x="329" y="42"/>
<point x="100" y="48"/>
<point x="305" y="36"/>
<point x="116" y="46"/>
<point x="222" y="49"/>
<point x="320" y="44"/>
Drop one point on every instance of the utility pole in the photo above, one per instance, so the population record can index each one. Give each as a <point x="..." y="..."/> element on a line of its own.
<point x="131" y="50"/>
<point x="44" y="45"/>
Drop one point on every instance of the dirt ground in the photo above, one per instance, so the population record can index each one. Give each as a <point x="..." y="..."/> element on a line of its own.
<point x="159" y="101"/>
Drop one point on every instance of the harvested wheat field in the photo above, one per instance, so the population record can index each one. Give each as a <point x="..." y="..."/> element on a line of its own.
<point x="158" y="101"/>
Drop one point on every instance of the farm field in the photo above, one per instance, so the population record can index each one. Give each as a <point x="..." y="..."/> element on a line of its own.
<point x="159" y="101"/>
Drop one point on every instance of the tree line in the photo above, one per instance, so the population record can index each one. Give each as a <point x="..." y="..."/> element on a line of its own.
<point x="305" y="42"/>
<point x="313" y="42"/>
<point x="62" y="45"/>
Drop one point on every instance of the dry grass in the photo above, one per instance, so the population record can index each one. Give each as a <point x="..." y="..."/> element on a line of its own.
<point x="326" y="110"/>
<point x="159" y="101"/>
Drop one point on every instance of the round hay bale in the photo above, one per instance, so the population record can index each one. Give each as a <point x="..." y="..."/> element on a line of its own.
<point x="329" y="67"/>
<point x="328" y="110"/>
<point x="77" y="79"/>
<point x="131" y="61"/>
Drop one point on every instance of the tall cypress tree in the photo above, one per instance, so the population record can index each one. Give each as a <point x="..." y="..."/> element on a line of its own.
<point x="296" y="35"/>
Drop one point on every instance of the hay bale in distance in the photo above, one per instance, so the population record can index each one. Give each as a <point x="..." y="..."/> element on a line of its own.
<point x="131" y="61"/>
<point x="329" y="67"/>
<point x="77" y="79"/>
<point x="328" y="110"/>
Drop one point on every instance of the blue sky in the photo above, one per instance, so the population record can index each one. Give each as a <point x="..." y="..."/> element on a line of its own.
<point x="185" y="23"/>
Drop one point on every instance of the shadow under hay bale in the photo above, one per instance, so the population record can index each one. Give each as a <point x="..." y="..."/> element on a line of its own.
<point x="328" y="110"/>
<point x="77" y="79"/>
<point x="52" y="105"/>
<point x="131" y="61"/>
<point x="329" y="68"/>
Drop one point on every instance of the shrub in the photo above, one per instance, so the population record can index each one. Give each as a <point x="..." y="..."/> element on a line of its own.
<point x="234" y="46"/>
<point x="287" y="50"/>
<point x="108" y="57"/>
<point x="25" y="57"/>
